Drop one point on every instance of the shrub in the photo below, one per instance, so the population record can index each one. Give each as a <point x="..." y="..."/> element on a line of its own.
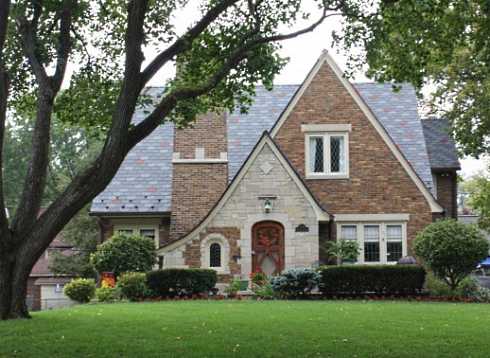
<point x="81" y="290"/>
<point x="123" y="253"/>
<point x="451" y="249"/>
<point x="181" y="282"/>
<point x="366" y="279"/>
<point x="295" y="282"/>
<point x="468" y="287"/>
<point x="233" y="288"/>
<point x="259" y="278"/>
<point x="343" y="250"/>
<point x="264" y="291"/>
<point x="107" y="294"/>
<point x="132" y="285"/>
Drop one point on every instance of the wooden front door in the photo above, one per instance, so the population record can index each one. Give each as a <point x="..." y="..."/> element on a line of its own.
<point x="268" y="247"/>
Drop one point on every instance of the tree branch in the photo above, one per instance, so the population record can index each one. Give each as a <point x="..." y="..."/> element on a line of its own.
<point x="4" y="89"/>
<point x="185" y="41"/>
<point x="35" y="180"/>
<point x="167" y="104"/>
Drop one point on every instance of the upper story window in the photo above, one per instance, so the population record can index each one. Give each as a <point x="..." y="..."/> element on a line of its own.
<point x="326" y="152"/>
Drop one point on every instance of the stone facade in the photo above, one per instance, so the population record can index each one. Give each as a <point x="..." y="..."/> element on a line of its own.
<point x="266" y="177"/>
<point x="377" y="182"/>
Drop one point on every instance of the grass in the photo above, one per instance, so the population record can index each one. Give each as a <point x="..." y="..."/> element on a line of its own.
<point x="253" y="329"/>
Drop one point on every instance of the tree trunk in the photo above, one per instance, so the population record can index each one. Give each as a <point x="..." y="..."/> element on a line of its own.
<point x="13" y="287"/>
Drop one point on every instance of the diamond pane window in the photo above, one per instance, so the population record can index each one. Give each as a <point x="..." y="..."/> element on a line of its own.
<point x="337" y="160"/>
<point x="348" y="232"/>
<point x="316" y="154"/>
<point x="371" y="243"/>
<point x="215" y="255"/>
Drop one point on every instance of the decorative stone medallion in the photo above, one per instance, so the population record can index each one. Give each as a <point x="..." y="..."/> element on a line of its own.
<point x="266" y="168"/>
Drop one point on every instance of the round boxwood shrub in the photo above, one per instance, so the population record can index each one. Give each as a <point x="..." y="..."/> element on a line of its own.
<point x="181" y="282"/>
<point x="81" y="290"/>
<point x="124" y="253"/>
<point x="451" y="249"/>
<point x="295" y="282"/>
<point x="132" y="285"/>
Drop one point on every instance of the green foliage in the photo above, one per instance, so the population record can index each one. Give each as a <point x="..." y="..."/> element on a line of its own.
<point x="264" y="291"/>
<point x="295" y="282"/>
<point x="132" y="285"/>
<point x="181" y="282"/>
<point x="366" y="279"/>
<point x="124" y="253"/>
<point x="81" y="290"/>
<point x="343" y="250"/>
<point x="259" y="278"/>
<point x="83" y="233"/>
<point x="451" y="249"/>
<point x="107" y="294"/>
<point x="232" y="289"/>
<point x="444" y="44"/>
<point x="478" y="188"/>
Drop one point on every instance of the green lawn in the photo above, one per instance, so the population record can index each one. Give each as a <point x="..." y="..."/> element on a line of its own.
<point x="253" y="329"/>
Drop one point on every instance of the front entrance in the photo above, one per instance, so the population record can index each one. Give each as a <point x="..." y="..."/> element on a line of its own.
<point x="268" y="247"/>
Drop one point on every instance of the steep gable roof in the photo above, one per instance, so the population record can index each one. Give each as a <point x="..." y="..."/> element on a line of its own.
<point x="143" y="184"/>
<point x="441" y="147"/>
<point x="326" y="59"/>
<point x="265" y="140"/>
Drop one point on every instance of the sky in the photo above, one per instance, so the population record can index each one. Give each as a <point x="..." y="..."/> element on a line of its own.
<point x="302" y="52"/>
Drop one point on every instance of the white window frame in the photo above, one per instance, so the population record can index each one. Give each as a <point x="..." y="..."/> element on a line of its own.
<point x="383" y="240"/>
<point x="225" y="253"/>
<point x="327" y="173"/>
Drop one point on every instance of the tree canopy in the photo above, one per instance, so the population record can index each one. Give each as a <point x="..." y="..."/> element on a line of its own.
<point x="443" y="45"/>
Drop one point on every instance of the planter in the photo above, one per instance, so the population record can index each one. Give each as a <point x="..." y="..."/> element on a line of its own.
<point x="243" y="285"/>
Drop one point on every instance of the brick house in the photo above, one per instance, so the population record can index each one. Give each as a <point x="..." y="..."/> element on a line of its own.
<point x="44" y="288"/>
<point x="324" y="160"/>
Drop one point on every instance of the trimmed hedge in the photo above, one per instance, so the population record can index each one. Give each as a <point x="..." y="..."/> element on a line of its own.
<point x="181" y="282"/>
<point x="372" y="279"/>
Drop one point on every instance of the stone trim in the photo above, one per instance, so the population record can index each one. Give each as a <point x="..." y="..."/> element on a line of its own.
<point x="325" y="57"/>
<point x="371" y="217"/>
<point x="326" y="128"/>
<point x="265" y="140"/>
<point x="225" y="252"/>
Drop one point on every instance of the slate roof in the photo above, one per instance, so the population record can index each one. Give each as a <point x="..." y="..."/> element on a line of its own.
<point x="397" y="111"/>
<point x="143" y="183"/>
<point x="440" y="145"/>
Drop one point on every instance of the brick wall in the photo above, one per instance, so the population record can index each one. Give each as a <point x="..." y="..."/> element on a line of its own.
<point x="446" y="184"/>
<point x="197" y="186"/>
<point x="378" y="183"/>
<point x="209" y="132"/>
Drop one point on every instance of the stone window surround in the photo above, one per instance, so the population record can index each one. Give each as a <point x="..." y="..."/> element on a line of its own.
<point x="215" y="238"/>
<point x="383" y="238"/>
<point x="326" y="131"/>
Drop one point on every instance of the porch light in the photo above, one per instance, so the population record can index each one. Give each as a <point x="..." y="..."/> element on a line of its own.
<point x="267" y="206"/>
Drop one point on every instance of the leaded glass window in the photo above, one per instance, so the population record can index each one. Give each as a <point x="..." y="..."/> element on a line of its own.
<point x="394" y="245"/>
<point x="316" y="155"/>
<point x="337" y="155"/>
<point x="215" y="255"/>
<point x="371" y="243"/>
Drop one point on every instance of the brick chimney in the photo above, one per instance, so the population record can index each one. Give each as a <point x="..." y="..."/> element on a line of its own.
<point x="200" y="171"/>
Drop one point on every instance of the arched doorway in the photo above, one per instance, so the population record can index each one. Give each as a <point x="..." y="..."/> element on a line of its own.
<point x="268" y="247"/>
